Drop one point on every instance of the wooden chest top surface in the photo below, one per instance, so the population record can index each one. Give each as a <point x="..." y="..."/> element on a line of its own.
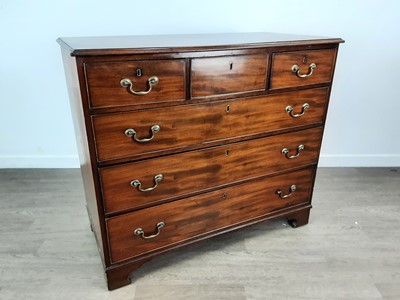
<point x="101" y="45"/>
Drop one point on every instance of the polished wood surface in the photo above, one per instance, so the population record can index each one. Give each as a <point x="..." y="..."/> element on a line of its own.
<point x="282" y="75"/>
<point x="200" y="215"/>
<point x="223" y="105"/>
<point x="103" y="79"/>
<point x="200" y="124"/>
<point x="228" y="74"/>
<point x="121" y="45"/>
<point x="87" y="158"/>
<point x="196" y="171"/>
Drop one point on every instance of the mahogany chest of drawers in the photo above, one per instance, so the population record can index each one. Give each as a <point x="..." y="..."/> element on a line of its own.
<point x="185" y="137"/>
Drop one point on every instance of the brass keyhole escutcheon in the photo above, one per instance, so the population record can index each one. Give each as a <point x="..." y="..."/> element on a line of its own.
<point x="228" y="108"/>
<point x="305" y="59"/>
<point x="227" y="152"/>
<point x="224" y="196"/>
<point x="230" y="65"/>
<point x="138" y="72"/>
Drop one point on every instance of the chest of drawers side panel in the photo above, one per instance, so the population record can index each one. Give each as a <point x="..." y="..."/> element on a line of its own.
<point x="330" y="87"/>
<point x="84" y="137"/>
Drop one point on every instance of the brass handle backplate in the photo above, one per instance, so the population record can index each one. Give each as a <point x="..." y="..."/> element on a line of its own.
<point x="281" y="195"/>
<point x="127" y="83"/>
<point x="140" y="231"/>
<point x="137" y="184"/>
<point x="132" y="133"/>
<point x="285" y="151"/>
<point x="296" y="70"/>
<point x="289" y="110"/>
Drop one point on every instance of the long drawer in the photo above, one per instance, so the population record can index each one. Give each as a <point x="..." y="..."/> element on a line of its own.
<point x="181" y="220"/>
<point x="137" y="184"/>
<point x="127" y="134"/>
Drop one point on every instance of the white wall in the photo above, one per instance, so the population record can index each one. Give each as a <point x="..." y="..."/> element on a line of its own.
<point x="35" y="121"/>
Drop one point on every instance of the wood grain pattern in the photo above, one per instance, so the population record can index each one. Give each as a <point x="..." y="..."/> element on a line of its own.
<point x="229" y="74"/>
<point x="221" y="104"/>
<point x="200" y="170"/>
<point x="86" y="153"/>
<point x="103" y="79"/>
<point x="200" y="215"/>
<point x="122" y="45"/>
<point x="189" y="125"/>
<point x="282" y="75"/>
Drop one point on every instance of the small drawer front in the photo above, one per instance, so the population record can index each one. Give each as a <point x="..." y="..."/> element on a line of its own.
<point x="300" y="68"/>
<point x="117" y="83"/>
<point x="137" y="184"/>
<point x="175" y="222"/>
<point x="190" y="125"/>
<point x="229" y="74"/>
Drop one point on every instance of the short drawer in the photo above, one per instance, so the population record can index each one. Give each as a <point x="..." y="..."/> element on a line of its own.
<point x="135" y="133"/>
<point x="126" y="83"/>
<point x="182" y="220"/>
<point x="139" y="184"/>
<point x="228" y="74"/>
<point x="301" y="68"/>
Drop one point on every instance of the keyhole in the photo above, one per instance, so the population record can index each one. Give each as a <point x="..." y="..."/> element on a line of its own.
<point x="230" y="65"/>
<point x="226" y="152"/>
<point x="228" y="108"/>
<point x="305" y="59"/>
<point x="138" y="72"/>
<point x="224" y="195"/>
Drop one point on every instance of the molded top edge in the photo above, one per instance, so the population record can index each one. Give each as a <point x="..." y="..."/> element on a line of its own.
<point x="111" y="45"/>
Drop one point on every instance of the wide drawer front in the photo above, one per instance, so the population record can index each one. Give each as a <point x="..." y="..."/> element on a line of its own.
<point x="135" y="82"/>
<point x="133" y="134"/>
<point x="164" y="225"/>
<point x="138" y="184"/>
<point x="228" y="74"/>
<point x="300" y="68"/>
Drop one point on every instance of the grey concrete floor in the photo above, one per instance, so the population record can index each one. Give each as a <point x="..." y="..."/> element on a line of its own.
<point x="349" y="250"/>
